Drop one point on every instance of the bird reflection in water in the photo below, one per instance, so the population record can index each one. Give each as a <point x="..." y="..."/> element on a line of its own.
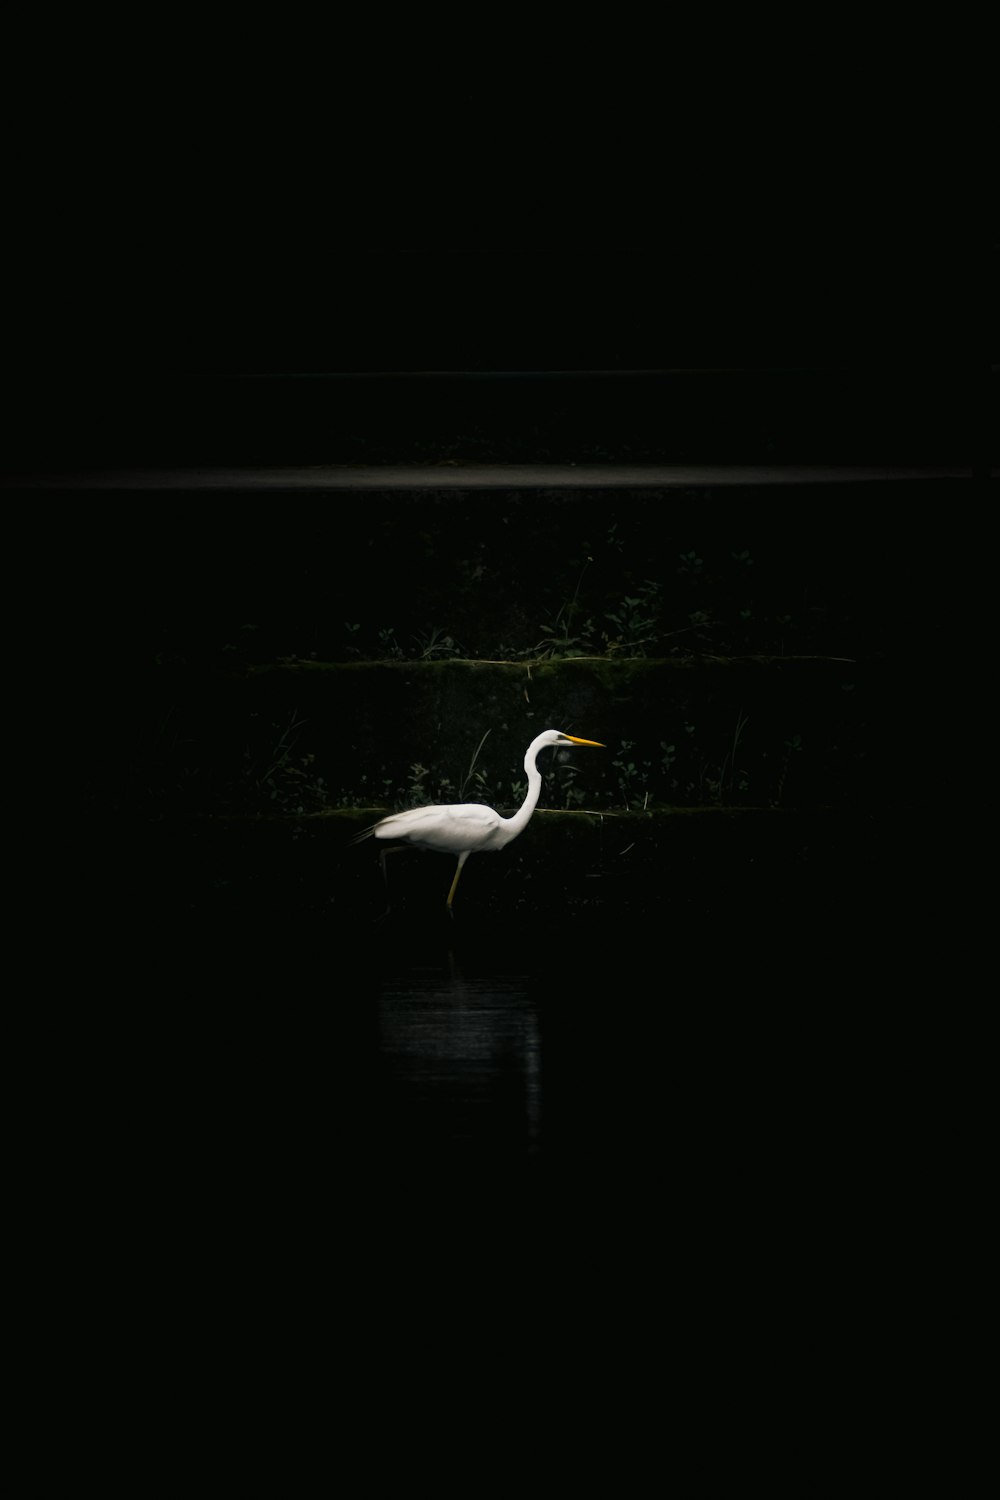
<point x="460" y="1066"/>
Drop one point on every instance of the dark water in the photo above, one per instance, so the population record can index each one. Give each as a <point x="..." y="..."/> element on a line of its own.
<point x="291" y="1081"/>
<point x="459" y="1064"/>
<point x="709" y="1058"/>
<point x="363" y="1125"/>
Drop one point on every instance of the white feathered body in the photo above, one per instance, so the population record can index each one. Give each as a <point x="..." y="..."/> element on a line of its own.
<point x="458" y="829"/>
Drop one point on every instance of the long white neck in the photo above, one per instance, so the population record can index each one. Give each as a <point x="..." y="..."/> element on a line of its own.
<point x="519" y="822"/>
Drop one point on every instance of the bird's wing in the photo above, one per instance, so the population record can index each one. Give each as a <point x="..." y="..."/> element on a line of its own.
<point x="451" y="829"/>
<point x="401" y="825"/>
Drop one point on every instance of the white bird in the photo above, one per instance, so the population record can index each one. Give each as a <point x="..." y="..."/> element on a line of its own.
<point x="468" y="827"/>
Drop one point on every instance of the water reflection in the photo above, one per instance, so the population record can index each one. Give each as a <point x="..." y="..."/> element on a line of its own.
<point x="459" y="1064"/>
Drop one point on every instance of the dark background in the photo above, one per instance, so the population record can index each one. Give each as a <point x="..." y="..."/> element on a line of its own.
<point x="207" y="238"/>
<point x="801" y="349"/>
<point x="198" y="213"/>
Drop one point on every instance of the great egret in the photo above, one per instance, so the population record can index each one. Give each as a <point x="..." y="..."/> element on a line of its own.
<point x="468" y="827"/>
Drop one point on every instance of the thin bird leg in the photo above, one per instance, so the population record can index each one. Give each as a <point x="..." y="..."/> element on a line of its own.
<point x="461" y="861"/>
<point x="382" y="856"/>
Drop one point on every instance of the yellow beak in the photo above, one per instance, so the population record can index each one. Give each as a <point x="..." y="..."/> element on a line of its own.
<point x="595" y="743"/>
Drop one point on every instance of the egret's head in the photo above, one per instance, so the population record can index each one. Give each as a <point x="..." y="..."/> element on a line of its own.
<point x="553" y="737"/>
<point x="556" y="737"/>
